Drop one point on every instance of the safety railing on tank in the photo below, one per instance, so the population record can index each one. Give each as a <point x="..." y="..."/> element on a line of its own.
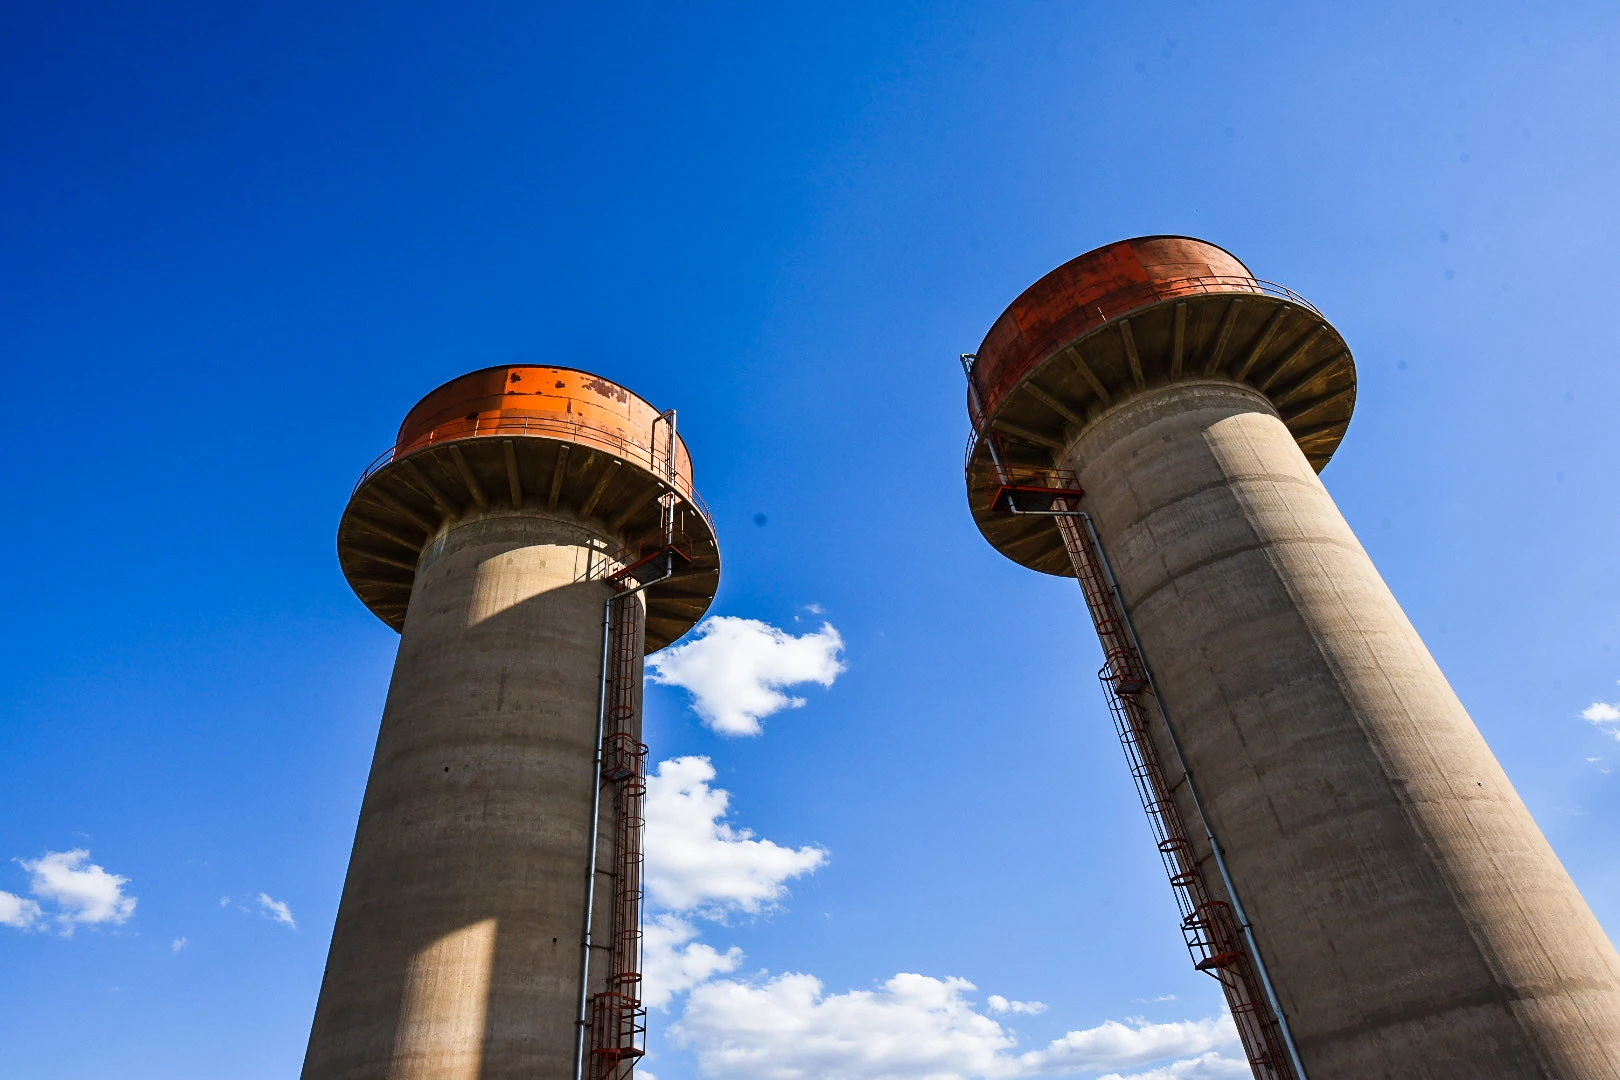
<point x="654" y="458"/>
<point x="1139" y="295"/>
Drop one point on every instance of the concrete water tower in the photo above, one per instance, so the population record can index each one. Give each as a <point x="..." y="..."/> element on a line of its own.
<point x="532" y="532"/>
<point x="1348" y="857"/>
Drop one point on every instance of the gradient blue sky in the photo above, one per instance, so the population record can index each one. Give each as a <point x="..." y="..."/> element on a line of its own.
<point x="240" y="240"/>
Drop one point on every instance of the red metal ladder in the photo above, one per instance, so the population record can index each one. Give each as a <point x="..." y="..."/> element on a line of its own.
<point x="618" y="1018"/>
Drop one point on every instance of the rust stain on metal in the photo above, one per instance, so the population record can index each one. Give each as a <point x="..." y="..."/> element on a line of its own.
<point x="542" y="400"/>
<point x="606" y="389"/>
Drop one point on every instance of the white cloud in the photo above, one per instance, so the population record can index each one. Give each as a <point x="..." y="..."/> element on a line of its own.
<point x="696" y="861"/>
<point x="276" y="911"/>
<point x="82" y="892"/>
<point x="19" y="912"/>
<point x="673" y="961"/>
<point x="1601" y="713"/>
<point x="999" y="1005"/>
<point x="787" y="1029"/>
<point x="177" y="944"/>
<point x="736" y="669"/>
<point x="1112" y="1045"/>
<point x="917" y="1028"/>
<point x="699" y="864"/>
<point x="1203" y="1067"/>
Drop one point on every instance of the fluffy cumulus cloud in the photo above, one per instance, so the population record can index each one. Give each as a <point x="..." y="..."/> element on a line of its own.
<point x="68" y="891"/>
<point x="787" y="1028"/>
<point x="702" y="866"/>
<point x="18" y="911"/>
<point x="697" y="861"/>
<point x="699" y="865"/>
<point x="738" y="669"/>
<point x="673" y="960"/>
<point x="1605" y="716"/>
<point x="919" y="1028"/>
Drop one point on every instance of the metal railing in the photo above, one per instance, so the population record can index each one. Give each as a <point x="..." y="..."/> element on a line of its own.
<point x="1025" y="489"/>
<point x="635" y="562"/>
<point x="1118" y="305"/>
<point x="649" y="454"/>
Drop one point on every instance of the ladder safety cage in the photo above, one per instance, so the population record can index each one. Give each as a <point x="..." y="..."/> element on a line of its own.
<point x="618" y="1022"/>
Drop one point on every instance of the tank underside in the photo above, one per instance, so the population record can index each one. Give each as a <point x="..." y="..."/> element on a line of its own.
<point x="1279" y="346"/>
<point x="397" y="509"/>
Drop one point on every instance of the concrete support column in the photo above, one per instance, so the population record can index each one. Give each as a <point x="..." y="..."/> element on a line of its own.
<point x="457" y="946"/>
<point x="1413" y="916"/>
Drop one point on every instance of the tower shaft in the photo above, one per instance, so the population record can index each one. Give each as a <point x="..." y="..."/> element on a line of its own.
<point x="456" y="951"/>
<point x="1411" y="914"/>
<point x="531" y="534"/>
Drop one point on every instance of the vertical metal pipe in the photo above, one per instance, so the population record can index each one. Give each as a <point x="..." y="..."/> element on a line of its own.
<point x="582" y="1019"/>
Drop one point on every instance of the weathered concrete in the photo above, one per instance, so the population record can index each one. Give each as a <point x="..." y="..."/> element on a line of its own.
<point x="1415" y="920"/>
<point x="456" y="952"/>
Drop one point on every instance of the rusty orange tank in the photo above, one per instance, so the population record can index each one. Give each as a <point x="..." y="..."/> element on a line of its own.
<point x="1125" y="320"/>
<point x="554" y="402"/>
<point x="530" y="436"/>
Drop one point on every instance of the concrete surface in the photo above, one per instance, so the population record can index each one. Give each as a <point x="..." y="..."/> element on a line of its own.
<point x="1415" y="920"/>
<point x="456" y="951"/>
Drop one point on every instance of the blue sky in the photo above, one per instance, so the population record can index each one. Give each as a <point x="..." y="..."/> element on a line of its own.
<point x="240" y="241"/>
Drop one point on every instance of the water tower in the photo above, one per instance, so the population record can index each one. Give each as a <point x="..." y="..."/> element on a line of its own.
<point x="1349" y="859"/>
<point x="531" y="534"/>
